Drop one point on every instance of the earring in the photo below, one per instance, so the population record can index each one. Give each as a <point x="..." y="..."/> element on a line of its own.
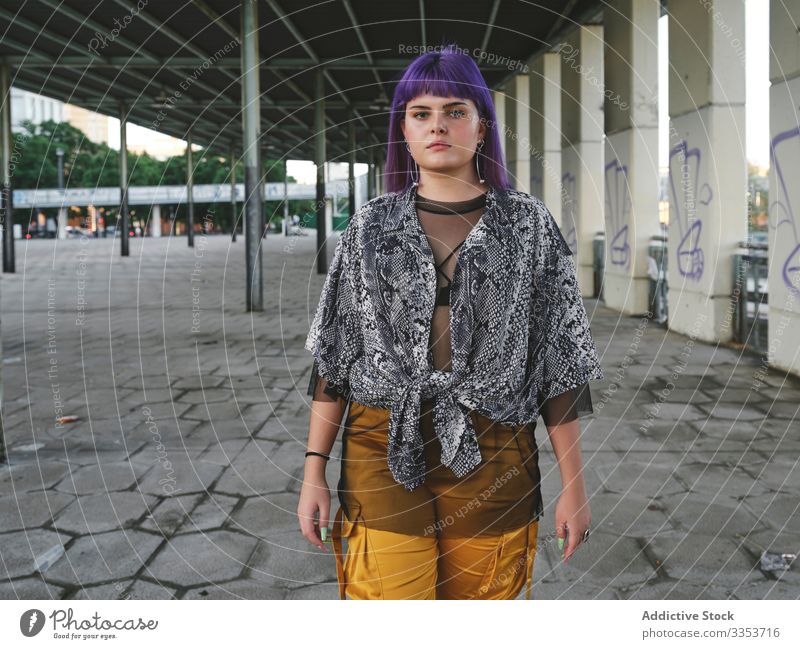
<point x="414" y="177"/>
<point x="477" y="167"/>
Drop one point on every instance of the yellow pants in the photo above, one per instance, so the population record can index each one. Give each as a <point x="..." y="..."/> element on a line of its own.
<point x="388" y="565"/>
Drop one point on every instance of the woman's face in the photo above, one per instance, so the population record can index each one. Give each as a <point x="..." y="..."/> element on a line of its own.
<point x="454" y="121"/>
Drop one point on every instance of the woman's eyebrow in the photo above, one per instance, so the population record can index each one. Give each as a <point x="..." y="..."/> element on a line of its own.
<point x="452" y="103"/>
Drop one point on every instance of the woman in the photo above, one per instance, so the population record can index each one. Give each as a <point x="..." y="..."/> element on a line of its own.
<point x="450" y="320"/>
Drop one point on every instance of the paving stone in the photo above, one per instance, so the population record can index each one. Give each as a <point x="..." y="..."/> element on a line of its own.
<point x="613" y="560"/>
<point x="725" y="517"/>
<point x="256" y="470"/>
<point x="782" y="410"/>
<point x="714" y="480"/>
<point x="628" y="514"/>
<point x="735" y="412"/>
<point x="99" y="558"/>
<point x="30" y="476"/>
<point x="703" y="558"/>
<point x="110" y="476"/>
<point x="287" y="559"/>
<point x="767" y="589"/>
<point x="29" y="588"/>
<point x="583" y="589"/>
<point x="201" y="558"/>
<point x="32" y="509"/>
<point x="170" y="513"/>
<point x="669" y="589"/>
<point x="104" y="512"/>
<point x="238" y="589"/>
<point x="28" y="551"/>
<point x="780" y="511"/>
<point x="264" y="515"/>
<point x="178" y="476"/>
<point x="127" y="589"/>
<point x="212" y="513"/>
<point x="646" y="479"/>
<point x="197" y="382"/>
<point x="208" y="396"/>
<point x="223" y="452"/>
<point x="328" y="590"/>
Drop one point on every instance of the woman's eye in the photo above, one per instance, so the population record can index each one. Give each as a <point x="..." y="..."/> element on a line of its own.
<point x="422" y="113"/>
<point x="458" y="113"/>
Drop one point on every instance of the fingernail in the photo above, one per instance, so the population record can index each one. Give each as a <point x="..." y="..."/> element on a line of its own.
<point x="560" y="544"/>
<point x="323" y="533"/>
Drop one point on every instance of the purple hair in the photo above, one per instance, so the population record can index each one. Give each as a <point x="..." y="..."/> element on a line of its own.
<point x="444" y="73"/>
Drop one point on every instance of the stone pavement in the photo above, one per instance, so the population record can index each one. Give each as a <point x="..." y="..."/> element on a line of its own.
<point x="180" y="476"/>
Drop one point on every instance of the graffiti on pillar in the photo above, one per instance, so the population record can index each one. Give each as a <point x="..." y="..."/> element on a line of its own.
<point x="570" y="191"/>
<point x="689" y="193"/>
<point x="618" y="208"/>
<point x="782" y="211"/>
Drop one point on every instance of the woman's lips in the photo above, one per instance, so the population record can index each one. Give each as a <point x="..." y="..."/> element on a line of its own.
<point x="436" y="147"/>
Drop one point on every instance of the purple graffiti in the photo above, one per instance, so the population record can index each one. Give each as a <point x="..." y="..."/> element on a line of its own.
<point x="687" y="195"/>
<point x="782" y="211"/>
<point x="618" y="207"/>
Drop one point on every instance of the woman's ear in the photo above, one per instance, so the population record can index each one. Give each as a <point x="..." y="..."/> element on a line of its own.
<point x="403" y="126"/>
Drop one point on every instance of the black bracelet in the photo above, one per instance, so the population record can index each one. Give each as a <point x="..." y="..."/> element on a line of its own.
<point x="327" y="457"/>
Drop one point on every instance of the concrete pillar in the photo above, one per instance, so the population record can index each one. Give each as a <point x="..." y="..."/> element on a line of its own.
<point x="6" y="153"/>
<point x="61" y="219"/>
<point x="370" y="173"/>
<point x="500" y="111"/>
<point x="707" y="164"/>
<point x="631" y="152"/>
<point x="285" y="202"/>
<point x="582" y="146"/>
<point x="124" y="214"/>
<point x="251" y="142"/>
<point x="784" y="212"/>
<point x="522" y="130"/>
<point x="5" y="208"/>
<point x="319" y="161"/>
<point x="351" y="169"/>
<point x="545" y="102"/>
<point x="155" y="221"/>
<point x="234" y="214"/>
<point x="189" y="190"/>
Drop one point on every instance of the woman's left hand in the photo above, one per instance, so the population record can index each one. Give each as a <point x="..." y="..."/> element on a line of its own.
<point x="572" y="514"/>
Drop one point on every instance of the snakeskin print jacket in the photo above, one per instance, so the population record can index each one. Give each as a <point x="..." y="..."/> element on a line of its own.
<point x="519" y="329"/>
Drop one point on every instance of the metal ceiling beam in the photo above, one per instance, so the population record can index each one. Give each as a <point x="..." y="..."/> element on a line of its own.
<point x="180" y="62"/>
<point x="590" y="14"/>
<point x="140" y="51"/>
<point x="68" y="44"/>
<point x="303" y="42"/>
<point x="89" y="101"/>
<point x="422" y="23"/>
<point x="490" y="25"/>
<point x="180" y="40"/>
<point x="360" y="34"/>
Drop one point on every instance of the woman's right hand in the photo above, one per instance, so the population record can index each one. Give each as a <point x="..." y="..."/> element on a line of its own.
<point x="315" y="497"/>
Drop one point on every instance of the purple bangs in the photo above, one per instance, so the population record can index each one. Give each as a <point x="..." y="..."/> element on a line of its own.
<point x="444" y="73"/>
